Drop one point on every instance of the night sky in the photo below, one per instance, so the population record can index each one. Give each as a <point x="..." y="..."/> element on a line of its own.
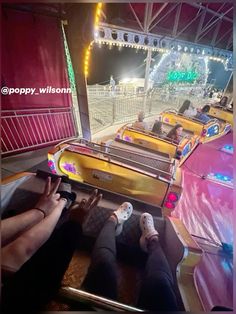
<point x="125" y="63"/>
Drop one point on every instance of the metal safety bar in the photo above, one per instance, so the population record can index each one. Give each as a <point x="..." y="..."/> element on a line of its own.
<point x="139" y="165"/>
<point x="96" y="301"/>
<point x="130" y="151"/>
<point x="166" y="139"/>
<point x="190" y="118"/>
<point x="150" y="133"/>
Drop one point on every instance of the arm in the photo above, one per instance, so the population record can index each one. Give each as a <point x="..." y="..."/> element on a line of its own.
<point x="15" y="254"/>
<point x="19" y="251"/>
<point x="14" y="226"/>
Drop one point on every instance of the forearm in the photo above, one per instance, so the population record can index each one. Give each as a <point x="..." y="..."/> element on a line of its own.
<point x="41" y="232"/>
<point x="19" y="251"/>
<point x="13" y="226"/>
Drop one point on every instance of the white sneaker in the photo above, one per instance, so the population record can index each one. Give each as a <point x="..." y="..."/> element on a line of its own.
<point x="122" y="214"/>
<point x="147" y="228"/>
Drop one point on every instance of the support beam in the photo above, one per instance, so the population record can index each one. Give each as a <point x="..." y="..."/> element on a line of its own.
<point x="196" y="5"/>
<point x="182" y="30"/>
<point x="200" y="25"/>
<point x="147" y="16"/>
<point x="136" y="17"/>
<point x="103" y="15"/>
<point x="153" y="38"/>
<point x="164" y="16"/>
<point x="77" y="45"/>
<point x="177" y="16"/>
<point x="216" y="32"/>
<point x="230" y="45"/>
<point x="206" y="29"/>
<point x="158" y="12"/>
<point x="230" y="42"/>
<point x="211" y="19"/>
<point x="223" y="36"/>
<point x="203" y="34"/>
<point x="228" y="90"/>
<point x="148" y="63"/>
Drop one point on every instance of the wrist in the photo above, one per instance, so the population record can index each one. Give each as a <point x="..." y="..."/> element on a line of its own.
<point x="41" y="211"/>
<point x="63" y="201"/>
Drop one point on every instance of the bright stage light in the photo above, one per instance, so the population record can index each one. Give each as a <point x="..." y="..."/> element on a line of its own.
<point x="125" y="80"/>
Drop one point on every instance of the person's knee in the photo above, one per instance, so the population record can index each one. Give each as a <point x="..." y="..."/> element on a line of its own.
<point x="104" y="255"/>
<point x="106" y="266"/>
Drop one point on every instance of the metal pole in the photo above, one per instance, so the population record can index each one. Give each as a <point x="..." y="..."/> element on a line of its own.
<point x="113" y="110"/>
<point x="226" y="87"/>
<point x="77" y="46"/>
<point x="96" y="301"/>
<point x="148" y="63"/>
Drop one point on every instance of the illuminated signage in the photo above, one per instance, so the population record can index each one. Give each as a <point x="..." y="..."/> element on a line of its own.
<point x="181" y="76"/>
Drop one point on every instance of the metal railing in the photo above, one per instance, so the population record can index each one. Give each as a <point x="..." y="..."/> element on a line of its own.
<point x="28" y="129"/>
<point x="108" y="108"/>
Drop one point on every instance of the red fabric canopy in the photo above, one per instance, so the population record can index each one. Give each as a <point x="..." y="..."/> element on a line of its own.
<point x="33" y="56"/>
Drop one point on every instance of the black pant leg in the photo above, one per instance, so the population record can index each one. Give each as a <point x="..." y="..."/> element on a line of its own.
<point x="101" y="278"/>
<point x="157" y="291"/>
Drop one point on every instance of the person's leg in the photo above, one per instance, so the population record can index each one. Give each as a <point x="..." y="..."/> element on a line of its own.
<point x="157" y="291"/>
<point x="101" y="278"/>
<point x="39" y="278"/>
<point x="102" y="274"/>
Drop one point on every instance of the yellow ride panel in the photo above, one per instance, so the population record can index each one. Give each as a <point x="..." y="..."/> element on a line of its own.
<point x="149" y="141"/>
<point x="207" y="132"/>
<point x="113" y="177"/>
<point x="221" y="114"/>
<point x="188" y="124"/>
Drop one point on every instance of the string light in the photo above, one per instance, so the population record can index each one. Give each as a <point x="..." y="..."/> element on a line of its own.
<point x="86" y="59"/>
<point x="129" y="45"/>
<point x="97" y="15"/>
<point x="161" y="50"/>
<point x="87" y="52"/>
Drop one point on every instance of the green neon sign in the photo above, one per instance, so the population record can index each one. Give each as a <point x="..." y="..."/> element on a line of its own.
<point x="181" y="76"/>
